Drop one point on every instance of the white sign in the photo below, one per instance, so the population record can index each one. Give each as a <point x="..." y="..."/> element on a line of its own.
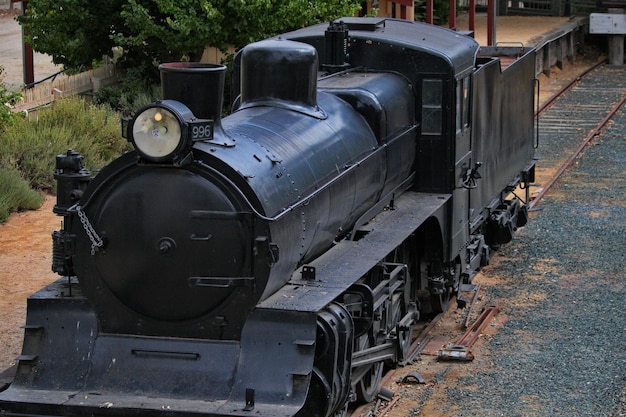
<point x="604" y="23"/>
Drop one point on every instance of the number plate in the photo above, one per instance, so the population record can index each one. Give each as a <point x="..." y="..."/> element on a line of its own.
<point x="201" y="130"/>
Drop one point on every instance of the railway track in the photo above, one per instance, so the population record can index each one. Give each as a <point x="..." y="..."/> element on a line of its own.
<point x="569" y="121"/>
<point x="574" y="116"/>
<point x="385" y="400"/>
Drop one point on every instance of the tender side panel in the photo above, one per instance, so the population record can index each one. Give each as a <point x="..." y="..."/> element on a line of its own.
<point x="503" y="109"/>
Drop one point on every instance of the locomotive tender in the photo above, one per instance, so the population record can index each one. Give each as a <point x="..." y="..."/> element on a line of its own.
<point x="273" y="262"/>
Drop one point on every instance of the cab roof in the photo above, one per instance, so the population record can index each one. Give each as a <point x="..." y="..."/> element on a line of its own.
<point x="456" y="49"/>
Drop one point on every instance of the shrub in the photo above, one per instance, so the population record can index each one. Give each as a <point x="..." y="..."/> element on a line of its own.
<point x="131" y="93"/>
<point x="30" y="147"/>
<point x="7" y="100"/>
<point x="16" y="194"/>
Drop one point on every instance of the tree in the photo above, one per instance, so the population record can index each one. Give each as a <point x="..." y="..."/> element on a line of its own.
<point x="78" y="32"/>
<point x="74" y="32"/>
<point x="260" y="19"/>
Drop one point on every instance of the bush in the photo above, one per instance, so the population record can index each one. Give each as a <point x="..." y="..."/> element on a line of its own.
<point x="16" y="194"/>
<point x="131" y="93"/>
<point x="7" y="100"/>
<point x="30" y="147"/>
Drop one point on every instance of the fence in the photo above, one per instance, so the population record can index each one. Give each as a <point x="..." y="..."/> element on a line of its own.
<point x="65" y="86"/>
<point x="86" y="82"/>
<point x="538" y="7"/>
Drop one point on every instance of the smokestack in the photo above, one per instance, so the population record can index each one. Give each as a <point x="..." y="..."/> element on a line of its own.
<point x="198" y="86"/>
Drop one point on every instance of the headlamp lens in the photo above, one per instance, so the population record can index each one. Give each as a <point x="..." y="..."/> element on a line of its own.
<point x="157" y="132"/>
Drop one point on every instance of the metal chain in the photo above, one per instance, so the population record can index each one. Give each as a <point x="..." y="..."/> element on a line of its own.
<point x="96" y="240"/>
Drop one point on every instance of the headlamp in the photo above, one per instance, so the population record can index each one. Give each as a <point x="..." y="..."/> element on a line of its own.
<point x="164" y="131"/>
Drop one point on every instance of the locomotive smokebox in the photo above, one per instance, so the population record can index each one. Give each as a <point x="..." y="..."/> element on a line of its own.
<point x="279" y="69"/>
<point x="198" y="86"/>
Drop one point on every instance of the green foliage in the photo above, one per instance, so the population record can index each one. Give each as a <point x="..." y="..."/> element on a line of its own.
<point x="7" y="100"/>
<point x="167" y="30"/>
<point x="255" y="20"/>
<point x="30" y="147"/>
<point x="441" y="10"/>
<point x="16" y="194"/>
<point x="133" y="91"/>
<point x="77" y="32"/>
<point x="74" y="32"/>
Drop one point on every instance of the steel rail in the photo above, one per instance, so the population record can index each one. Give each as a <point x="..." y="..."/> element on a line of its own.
<point x="473" y="333"/>
<point x="593" y="133"/>
<point x="545" y="106"/>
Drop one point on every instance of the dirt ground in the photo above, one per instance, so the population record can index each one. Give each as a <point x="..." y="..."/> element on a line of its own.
<point x="25" y="261"/>
<point x="25" y="266"/>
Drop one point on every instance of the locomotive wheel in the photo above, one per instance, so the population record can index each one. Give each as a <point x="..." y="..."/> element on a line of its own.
<point x="403" y="334"/>
<point x="367" y="388"/>
<point x="433" y="277"/>
<point x="342" y="413"/>
<point x="405" y="338"/>
<point x="318" y="398"/>
<point x="440" y="302"/>
<point x="401" y="301"/>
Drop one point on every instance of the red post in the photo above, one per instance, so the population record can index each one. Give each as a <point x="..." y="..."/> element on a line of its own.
<point x="27" y="51"/>
<point x="491" y="23"/>
<point x="472" y="15"/>
<point x="452" y="18"/>
<point x="404" y="9"/>
<point x="429" y="12"/>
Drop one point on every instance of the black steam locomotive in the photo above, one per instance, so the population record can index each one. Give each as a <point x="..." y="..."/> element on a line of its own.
<point x="274" y="261"/>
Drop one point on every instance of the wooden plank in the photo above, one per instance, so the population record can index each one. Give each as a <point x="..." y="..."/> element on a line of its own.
<point x="45" y="93"/>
